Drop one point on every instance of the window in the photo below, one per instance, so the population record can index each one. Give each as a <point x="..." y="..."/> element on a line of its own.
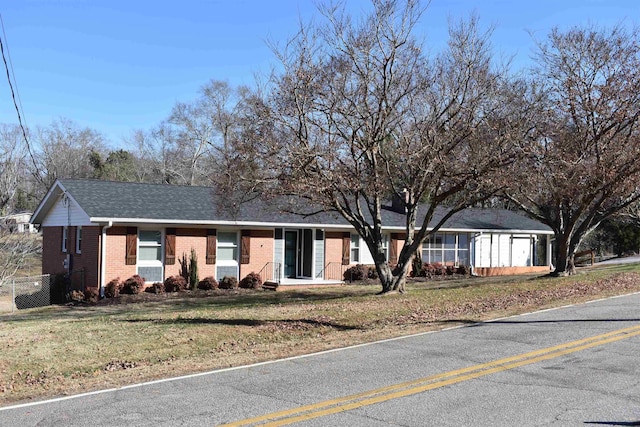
<point x="65" y="234"/>
<point x="385" y="246"/>
<point x="227" y="246"/>
<point x="79" y="240"/>
<point x="150" y="255"/>
<point x="355" y="248"/>
<point x="447" y="248"/>
<point x="463" y="249"/>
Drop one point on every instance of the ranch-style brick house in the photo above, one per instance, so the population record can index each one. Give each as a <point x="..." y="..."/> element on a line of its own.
<point x="111" y="230"/>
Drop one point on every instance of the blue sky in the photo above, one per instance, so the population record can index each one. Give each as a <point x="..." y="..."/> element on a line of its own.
<point x="116" y="66"/>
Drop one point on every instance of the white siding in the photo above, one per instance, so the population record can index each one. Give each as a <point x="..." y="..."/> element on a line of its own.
<point x="319" y="252"/>
<point x="483" y="250"/>
<point x="365" y="254"/>
<point x="60" y="215"/>
<point x="504" y="250"/>
<point x="521" y="252"/>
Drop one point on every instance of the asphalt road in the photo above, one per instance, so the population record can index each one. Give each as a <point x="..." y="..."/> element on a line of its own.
<point x="572" y="366"/>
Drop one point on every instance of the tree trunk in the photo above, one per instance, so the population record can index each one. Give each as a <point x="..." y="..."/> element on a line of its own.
<point x="562" y="254"/>
<point x="565" y="256"/>
<point x="394" y="279"/>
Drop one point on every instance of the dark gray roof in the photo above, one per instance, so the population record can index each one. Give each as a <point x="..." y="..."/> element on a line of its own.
<point x="144" y="202"/>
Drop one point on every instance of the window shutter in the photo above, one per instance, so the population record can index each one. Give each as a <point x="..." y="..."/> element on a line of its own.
<point x="132" y="245"/>
<point x="245" y="243"/>
<point x="170" y="246"/>
<point x="393" y="249"/>
<point x="346" y="248"/>
<point x="211" y="246"/>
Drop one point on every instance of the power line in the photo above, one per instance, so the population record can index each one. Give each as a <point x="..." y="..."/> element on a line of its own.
<point x="16" y="102"/>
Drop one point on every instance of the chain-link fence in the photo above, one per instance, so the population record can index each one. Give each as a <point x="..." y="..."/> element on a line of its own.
<point x="24" y="292"/>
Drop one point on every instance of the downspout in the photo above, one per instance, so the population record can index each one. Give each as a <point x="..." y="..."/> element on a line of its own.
<point x="103" y="257"/>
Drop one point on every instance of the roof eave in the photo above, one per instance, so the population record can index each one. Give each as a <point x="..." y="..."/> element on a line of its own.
<point x="105" y="220"/>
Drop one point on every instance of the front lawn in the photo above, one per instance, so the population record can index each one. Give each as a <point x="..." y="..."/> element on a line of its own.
<point x="71" y="349"/>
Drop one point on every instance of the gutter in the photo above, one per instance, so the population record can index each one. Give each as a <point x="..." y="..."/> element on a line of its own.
<point x="103" y="257"/>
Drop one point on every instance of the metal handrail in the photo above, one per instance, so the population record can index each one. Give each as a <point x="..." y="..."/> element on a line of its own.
<point x="330" y="268"/>
<point x="271" y="272"/>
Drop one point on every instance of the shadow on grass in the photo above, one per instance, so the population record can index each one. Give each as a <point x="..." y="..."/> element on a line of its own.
<point x="246" y="322"/>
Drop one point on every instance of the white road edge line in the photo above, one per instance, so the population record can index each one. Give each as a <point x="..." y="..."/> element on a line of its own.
<point x="286" y="359"/>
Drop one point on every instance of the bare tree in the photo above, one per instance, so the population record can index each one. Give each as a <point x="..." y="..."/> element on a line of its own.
<point x="12" y="163"/>
<point x="361" y="115"/>
<point x="64" y="151"/>
<point x="202" y="129"/>
<point x="585" y="164"/>
<point x="15" y="250"/>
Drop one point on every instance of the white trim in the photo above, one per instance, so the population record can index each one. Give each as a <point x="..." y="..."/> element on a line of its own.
<point x="103" y="258"/>
<point x="79" y="239"/>
<point x="298" y="225"/>
<point x="151" y="263"/>
<point x="65" y="239"/>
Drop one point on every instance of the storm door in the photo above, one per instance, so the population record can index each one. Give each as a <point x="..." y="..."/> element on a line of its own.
<point x="290" y="253"/>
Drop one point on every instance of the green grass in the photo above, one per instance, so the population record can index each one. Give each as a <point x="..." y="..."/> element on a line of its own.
<point x="69" y="349"/>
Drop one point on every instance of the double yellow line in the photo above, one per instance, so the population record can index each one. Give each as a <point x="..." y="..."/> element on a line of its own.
<point x="409" y="388"/>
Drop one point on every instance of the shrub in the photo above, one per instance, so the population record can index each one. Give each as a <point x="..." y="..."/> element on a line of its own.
<point x="112" y="289"/>
<point x="208" y="283"/>
<point x="193" y="270"/>
<point x="175" y="284"/>
<point x="450" y="270"/>
<point x="251" y="281"/>
<point x="360" y="272"/>
<point x="58" y="288"/>
<point x="91" y="295"/>
<point x="464" y="270"/>
<point x="416" y="266"/>
<point x="133" y="285"/>
<point x="156" y="288"/>
<point x="435" y="269"/>
<point x="76" y="296"/>
<point x="184" y="267"/>
<point x="228" y="282"/>
<point x="356" y="273"/>
<point x="439" y="269"/>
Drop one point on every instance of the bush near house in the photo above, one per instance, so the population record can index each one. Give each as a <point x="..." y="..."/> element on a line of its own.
<point x="112" y="289"/>
<point x="228" y="282"/>
<point x="175" y="284"/>
<point x="91" y="295"/>
<point x="208" y="284"/>
<point x="360" y="272"/>
<point x="133" y="285"/>
<point x="156" y="288"/>
<point x="251" y="281"/>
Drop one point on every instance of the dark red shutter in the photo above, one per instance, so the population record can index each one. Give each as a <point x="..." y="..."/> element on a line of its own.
<point x="170" y="246"/>
<point x="131" y="245"/>
<point x="211" y="246"/>
<point x="393" y="249"/>
<point x="245" y="247"/>
<point x="346" y="248"/>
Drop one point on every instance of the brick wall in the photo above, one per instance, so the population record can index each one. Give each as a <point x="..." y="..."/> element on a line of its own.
<point x="261" y="252"/>
<point x="52" y="255"/>
<point x="116" y="255"/>
<point x="186" y="239"/>
<point x="89" y="259"/>
<point x="333" y="247"/>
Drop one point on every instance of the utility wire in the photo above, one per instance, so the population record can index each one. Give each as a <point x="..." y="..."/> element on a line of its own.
<point x="16" y="102"/>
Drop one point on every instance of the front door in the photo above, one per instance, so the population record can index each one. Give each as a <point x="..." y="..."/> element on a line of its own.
<point x="290" y="253"/>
